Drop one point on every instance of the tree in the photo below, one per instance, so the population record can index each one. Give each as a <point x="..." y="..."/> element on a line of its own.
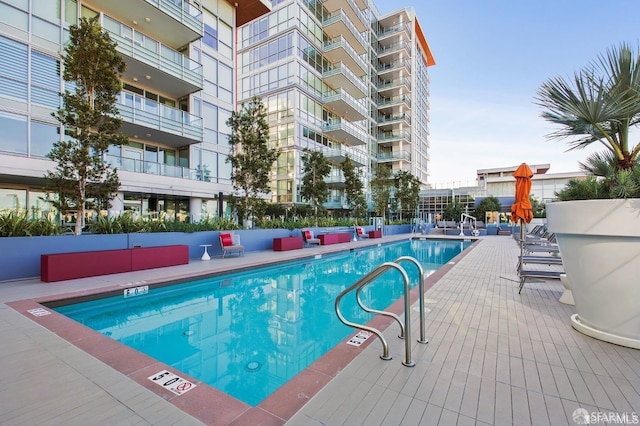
<point x="315" y="168"/>
<point x="90" y="117"/>
<point x="453" y="211"/>
<point x="407" y="191"/>
<point x="353" y="189"/>
<point x="488" y="204"/>
<point x="601" y="104"/>
<point x="250" y="157"/>
<point x="381" y="190"/>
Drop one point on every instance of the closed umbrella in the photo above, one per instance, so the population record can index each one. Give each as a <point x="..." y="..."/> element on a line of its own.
<point x="521" y="208"/>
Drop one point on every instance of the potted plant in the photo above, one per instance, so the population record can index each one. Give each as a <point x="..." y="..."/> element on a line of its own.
<point x="598" y="231"/>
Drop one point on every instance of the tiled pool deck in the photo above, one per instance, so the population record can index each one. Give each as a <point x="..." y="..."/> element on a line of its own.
<point x="494" y="357"/>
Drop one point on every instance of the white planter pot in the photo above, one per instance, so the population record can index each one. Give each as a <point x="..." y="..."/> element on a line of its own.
<point x="600" y="246"/>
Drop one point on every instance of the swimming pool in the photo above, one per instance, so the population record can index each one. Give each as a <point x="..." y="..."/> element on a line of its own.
<point x="248" y="333"/>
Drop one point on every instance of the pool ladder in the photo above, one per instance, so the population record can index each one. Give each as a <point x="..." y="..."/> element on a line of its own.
<point x="405" y="332"/>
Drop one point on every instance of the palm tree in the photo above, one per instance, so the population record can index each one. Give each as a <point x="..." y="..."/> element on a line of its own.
<point x="600" y="104"/>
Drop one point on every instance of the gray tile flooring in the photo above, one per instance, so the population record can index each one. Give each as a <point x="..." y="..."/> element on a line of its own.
<point x="494" y="357"/>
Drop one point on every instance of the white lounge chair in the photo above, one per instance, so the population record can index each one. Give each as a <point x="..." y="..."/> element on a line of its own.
<point x="230" y="243"/>
<point x="308" y="239"/>
<point x="360" y="234"/>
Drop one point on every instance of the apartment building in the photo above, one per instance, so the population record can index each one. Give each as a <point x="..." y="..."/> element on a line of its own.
<point x="338" y="77"/>
<point x="335" y="75"/>
<point x="178" y="91"/>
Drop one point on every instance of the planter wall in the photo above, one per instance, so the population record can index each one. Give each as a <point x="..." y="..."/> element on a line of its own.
<point x="21" y="255"/>
<point x="600" y="246"/>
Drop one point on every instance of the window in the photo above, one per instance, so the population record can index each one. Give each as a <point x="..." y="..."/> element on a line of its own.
<point x="45" y="80"/>
<point x="210" y="37"/>
<point x="43" y="137"/>
<point x="13" y="137"/>
<point x="13" y="72"/>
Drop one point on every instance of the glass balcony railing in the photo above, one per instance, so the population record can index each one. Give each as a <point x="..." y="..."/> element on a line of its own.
<point x="153" y="168"/>
<point x="182" y="11"/>
<point x="343" y="69"/>
<point x="393" y="66"/>
<point x="394" y="83"/>
<point x="392" y="118"/>
<point x="139" y="110"/>
<point x="384" y="50"/>
<point x="391" y="136"/>
<point x="341" y="42"/>
<point x="383" y="32"/>
<point x="383" y="102"/>
<point x="400" y="155"/>
<point x="341" y="16"/>
<point x="153" y="53"/>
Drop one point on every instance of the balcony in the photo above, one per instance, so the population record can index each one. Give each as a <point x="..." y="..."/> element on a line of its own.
<point x="338" y="155"/>
<point x="382" y="33"/>
<point x="390" y="138"/>
<point x="391" y="120"/>
<point x="340" y="76"/>
<point x="162" y="67"/>
<point x="393" y="52"/>
<point x="336" y="203"/>
<point x="175" y="23"/>
<point x="339" y="24"/>
<point x="386" y="104"/>
<point x="393" y="67"/>
<point x="344" y="105"/>
<point x="356" y="15"/>
<point x="153" y="168"/>
<point x="345" y="132"/>
<point x="335" y="179"/>
<point x="386" y="157"/>
<point x="339" y="50"/>
<point x="394" y="85"/>
<point x="158" y="123"/>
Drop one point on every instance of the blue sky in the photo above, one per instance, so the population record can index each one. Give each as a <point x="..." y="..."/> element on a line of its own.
<point x="491" y="58"/>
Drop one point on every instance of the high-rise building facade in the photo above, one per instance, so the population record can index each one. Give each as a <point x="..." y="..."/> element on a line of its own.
<point x="335" y="75"/>
<point x="338" y="77"/>
<point x="178" y="91"/>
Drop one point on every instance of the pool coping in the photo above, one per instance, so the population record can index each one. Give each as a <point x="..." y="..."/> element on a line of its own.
<point x="204" y="402"/>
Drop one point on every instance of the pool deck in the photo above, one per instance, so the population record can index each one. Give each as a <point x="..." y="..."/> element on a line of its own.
<point x="494" y="357"/>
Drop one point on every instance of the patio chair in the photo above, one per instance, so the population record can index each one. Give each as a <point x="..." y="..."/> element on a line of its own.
<point x="360" y="234"/>
<point x="308" y="239"/>
<point x="230" y="243"/>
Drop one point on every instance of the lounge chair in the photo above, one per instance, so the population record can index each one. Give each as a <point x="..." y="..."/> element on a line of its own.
<point x="308" y="239"/>
<point x="230" y="243"/>
<point x="360" y="234"/>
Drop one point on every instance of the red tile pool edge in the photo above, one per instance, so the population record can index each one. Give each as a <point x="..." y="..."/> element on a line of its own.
<point x="204" y="402"/>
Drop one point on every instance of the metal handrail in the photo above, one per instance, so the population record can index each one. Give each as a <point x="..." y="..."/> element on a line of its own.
<point x="405" y="329"/>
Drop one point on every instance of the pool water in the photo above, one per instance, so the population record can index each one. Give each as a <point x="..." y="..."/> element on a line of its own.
<point x="248" y="333"/>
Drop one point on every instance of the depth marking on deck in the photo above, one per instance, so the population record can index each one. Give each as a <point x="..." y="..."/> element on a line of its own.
<point x="172" y="382"/>
<point x="38" y="312"/>
<point x="359" y="338"/>
<point x="136" y="291"/>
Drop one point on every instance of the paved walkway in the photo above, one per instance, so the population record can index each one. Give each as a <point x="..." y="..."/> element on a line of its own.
<point x="494" y="357"/>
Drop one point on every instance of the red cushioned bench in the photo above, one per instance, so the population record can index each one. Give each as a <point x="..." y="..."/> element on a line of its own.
<point x="68" y="266"/>
<point x="326" y="239"/>
<point x="287" y="243"/>
<point x="375" y="234"/>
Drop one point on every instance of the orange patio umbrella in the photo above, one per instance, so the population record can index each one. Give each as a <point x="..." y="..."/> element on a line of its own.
<point x="521" y="209"/>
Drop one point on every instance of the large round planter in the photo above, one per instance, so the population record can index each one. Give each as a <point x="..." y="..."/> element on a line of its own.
<point x="600" y="247"/>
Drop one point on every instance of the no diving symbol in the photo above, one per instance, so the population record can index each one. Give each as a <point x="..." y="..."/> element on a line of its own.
<point x="183" y="387"/>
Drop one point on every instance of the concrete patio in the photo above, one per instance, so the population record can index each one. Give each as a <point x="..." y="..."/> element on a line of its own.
<point x="494" y="357"/>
